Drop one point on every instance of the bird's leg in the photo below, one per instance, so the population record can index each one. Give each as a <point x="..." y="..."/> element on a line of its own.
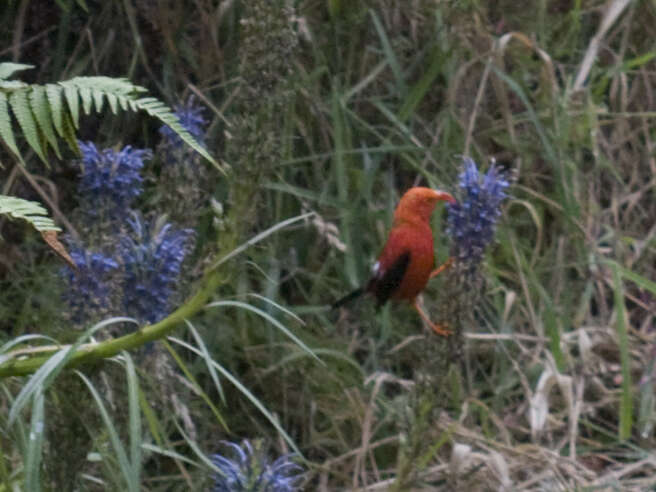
<point x="438" y="328"/>
<point x="442" y="267"/>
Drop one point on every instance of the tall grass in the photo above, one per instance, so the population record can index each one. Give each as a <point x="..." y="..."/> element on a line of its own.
<point x="326" y="112"/>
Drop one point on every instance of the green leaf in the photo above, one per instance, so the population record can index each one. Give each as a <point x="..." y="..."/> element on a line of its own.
<point x="626" y="400"/>
<point x="163" y="113"/>
<point x="35" y="444"/>
<point x="87" y="99"/>
<point x="41" y="110"/>
<point x="113" y="102"/>
<point x="246" y="392"/>
<point x="642" y="282"/>
<point x="71" y="94"/>
<point x="206" y="355"/>
<point x="119" y="449"/>
<point x="12" y="85"/>
<point x="57" y="109"/>
<point x="168" y="453"/>
<point x="271" y="320"/>
<point x="21" y="108"/>
<point x="198" y="388"/>
<point x="98" y="99"/>
<point x="123" y="101"/>
<point x="29" y="211"/>
<point x="69" y="134"/>
<point x="391" y="57"/>
<point x="37" y="383"/>
<point x="6" y="131"/>
<point x="7" y="69"/>
<point x="134" y="420"/>
<point x="46" y="374"/>
<point x="421" y="88"/>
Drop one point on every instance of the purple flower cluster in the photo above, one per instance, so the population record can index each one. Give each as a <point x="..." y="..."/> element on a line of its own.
<point x="472" y="220"/>
<point x="144" y="262"/>
<point x="151" y="255"/>
<point x="250" y="471"/>
<point x="111" y="180"/>
<point x="88" y="290"/>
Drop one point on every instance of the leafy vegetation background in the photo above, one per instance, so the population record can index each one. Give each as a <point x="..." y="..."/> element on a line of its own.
<point x="333" y="108"/>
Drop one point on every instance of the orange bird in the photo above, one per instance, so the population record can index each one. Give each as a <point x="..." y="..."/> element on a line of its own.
<point x="406" y="263"/>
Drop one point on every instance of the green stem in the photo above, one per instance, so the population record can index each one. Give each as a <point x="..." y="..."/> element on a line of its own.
<point x="98" y="351"/>
<point x="94" y="352"/>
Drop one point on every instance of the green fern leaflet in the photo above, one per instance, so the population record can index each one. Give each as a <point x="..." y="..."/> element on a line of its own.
<point x="32" y="212"/>
<point x="47" y="112"/>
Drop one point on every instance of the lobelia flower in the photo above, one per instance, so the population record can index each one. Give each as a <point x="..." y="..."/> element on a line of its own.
<point x="250" y="471"/>
<point x="111" y="180"/>
<point x="472" y="220"/>
<point x="151" y="255"/>
<point x="88" y="292"/>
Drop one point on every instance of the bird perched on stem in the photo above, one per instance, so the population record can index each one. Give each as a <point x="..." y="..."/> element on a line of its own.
<point x="407" y="261"/>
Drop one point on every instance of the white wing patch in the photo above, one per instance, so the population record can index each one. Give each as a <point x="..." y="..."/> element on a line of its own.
<point x="375" y="270"/>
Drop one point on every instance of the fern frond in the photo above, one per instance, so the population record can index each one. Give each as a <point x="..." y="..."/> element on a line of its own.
<point x="7" y="69"/>
<point x="87" y="100"/>
<point x="159" y="110"/>
<point x="98" y="99"/>
<point x="12" y="85"/>
<point x="60" y="117"/>
<point x="71" y="93"/>
<point x="122" y="92"/>
<point x="6" y="132"/>
<point x="57" y="109"/>
<point x="18" y="100"/>
<point x="32" y="212"/>
<point x="113" y="102"/>
<point x="39" y="104"/>
<point x="43" y="110"/>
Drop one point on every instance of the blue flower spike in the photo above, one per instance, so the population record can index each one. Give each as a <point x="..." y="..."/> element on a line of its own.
<point x="88" y="291"/>
<point x="249" y="470"/>
<point x="151" y="254"/>
<point x="111" y="180"/>
<point x="472" y="220"/>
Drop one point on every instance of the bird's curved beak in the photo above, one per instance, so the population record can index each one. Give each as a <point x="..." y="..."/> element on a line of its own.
<point x="444" y="196"/>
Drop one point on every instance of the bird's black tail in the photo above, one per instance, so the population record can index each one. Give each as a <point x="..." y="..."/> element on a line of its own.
<point x="348" y="298"/>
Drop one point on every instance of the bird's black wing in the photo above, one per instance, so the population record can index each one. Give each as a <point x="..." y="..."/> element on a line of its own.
<point x="384" y="283"/>
<point x="347" y="298"/>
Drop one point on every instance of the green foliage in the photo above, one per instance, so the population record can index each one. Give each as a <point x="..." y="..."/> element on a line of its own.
<point x="29" y="211"/>
<point x="42" y="110"/>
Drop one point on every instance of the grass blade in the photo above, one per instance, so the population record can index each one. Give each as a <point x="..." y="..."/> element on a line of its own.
<point x="35" y="444"/>
<point x="271" y="320"/>
<point x="392" y="60"/>
<point x="246" y="392"/>
<point x="168" y="453"/>
<point x="197" y="387"/>
<point x="639" y="280"/>
<point x="134" y="419"/>
<point x="117" y="445"/>
<point x="259" y="237"/>
<point x="626" y="401"/>
<point x="208" y="358"/>
<point x="46" y="374"/>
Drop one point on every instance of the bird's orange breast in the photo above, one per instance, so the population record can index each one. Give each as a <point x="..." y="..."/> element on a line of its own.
<point x="417" y="240"/>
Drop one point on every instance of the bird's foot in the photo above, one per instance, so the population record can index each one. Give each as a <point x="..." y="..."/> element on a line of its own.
<point x="441" y="268"/>
<point x="438" y="328"/>
<point x="441" y="329"/>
